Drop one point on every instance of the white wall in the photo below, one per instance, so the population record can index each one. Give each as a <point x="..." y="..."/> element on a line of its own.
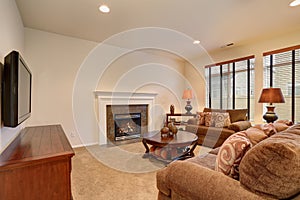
<point x="196" y="78"/>
<point x="141" y="71"/>
<point x="54" y="61"/>
<point x="11" y="38"/>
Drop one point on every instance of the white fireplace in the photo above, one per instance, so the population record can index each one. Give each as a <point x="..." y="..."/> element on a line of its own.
<point x="105" y="99"/>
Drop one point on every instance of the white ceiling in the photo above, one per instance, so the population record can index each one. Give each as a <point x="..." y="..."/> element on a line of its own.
<point x="213" y="22"/>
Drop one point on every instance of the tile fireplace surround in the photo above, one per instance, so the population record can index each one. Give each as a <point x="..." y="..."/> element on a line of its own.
<point x="105" y="99"/>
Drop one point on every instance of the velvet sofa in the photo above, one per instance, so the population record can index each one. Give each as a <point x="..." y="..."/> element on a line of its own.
<point x="270" y="169"/>
<point x="211" y="136"/>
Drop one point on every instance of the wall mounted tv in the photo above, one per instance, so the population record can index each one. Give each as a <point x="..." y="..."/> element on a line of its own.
<point x="16" y="90"/>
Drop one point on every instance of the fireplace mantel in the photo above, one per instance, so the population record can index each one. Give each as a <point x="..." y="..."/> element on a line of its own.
<point x="105" y="98"/>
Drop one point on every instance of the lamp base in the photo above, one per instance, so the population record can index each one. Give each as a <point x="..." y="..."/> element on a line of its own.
<point x="188" y="107"/>
<point x="270" y="115"/>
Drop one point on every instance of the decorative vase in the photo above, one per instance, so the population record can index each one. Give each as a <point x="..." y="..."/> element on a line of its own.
<point x="172" y="109"/>
<point x="164" y="132"/>
<point x="173" y="129"/>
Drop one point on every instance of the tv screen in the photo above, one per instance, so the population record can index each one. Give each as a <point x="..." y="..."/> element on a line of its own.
<point x="16" y="93"/>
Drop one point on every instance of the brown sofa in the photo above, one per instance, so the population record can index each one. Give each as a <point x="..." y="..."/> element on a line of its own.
<point x="214" y="137"/>
<point x="269" y="170"/>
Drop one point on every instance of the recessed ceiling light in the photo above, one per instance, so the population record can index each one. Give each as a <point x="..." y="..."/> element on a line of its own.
<point x="196" y="42"/>
<point x="295" y="3"/>
<point x="104" y="8"/>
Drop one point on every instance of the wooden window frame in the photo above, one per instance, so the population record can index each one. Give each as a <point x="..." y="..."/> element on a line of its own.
<point x="220" y="64"/>
<point x="293" y="72"/>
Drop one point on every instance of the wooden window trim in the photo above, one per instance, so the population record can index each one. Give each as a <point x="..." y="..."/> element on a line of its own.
<point x="230" y="61"/>
<point x="281" y="50"/>
<point x="293" y="63"/>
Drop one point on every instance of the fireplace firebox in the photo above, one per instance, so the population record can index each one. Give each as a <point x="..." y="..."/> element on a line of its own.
<point x="126" y="121"/>
<point x="127" y="126"/>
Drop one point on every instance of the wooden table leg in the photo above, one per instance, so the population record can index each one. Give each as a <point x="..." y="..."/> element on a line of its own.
<point x="189" y="153"/>
<point x="146" y="155"/>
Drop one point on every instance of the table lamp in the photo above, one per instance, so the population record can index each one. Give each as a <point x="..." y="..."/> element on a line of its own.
<point x="271" y="95"/>
<point x="188" y="94"/>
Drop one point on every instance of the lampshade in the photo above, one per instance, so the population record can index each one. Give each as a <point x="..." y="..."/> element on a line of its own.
<point x="271" y="95"/>
<point x="187" y="94"/>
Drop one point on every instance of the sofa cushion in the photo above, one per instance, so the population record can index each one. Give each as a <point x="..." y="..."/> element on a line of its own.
<point x="268" y="129"/>
<point x="239" y="126"/>
<point x="235" y="114"/>
<point x="190" y="181"/>
<point x="220" y="120"/>
<point x="193" y="121"/>
<point x="238" y="114"/>
<point x="210" y="131"/>
<point x="272" y="166"/>
<point x="213" y="110"/>
<point x="282" y="125"/>
<point x="207" y="160"/>
<point x="255" y="135"/>
<point x="215" y="151"/>
<point x="285" y="121"/>
<point x="230" y="154"/>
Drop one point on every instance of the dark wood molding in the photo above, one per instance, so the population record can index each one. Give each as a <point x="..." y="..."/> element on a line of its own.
<point x="230" y="61"/>
<point x="281" y="50"/>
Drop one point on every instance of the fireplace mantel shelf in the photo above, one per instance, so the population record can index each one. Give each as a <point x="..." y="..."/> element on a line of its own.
<point x="106" y="94"/>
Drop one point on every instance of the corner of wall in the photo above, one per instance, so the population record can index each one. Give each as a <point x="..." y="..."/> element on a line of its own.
<point x="12" y="38"/>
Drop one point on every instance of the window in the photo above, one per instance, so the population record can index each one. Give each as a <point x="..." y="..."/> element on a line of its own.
<point x="231" y="84"/>
<point x="282" y="69"/>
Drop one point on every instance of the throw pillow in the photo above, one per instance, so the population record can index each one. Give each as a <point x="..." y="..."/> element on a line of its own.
<point x="269" y="129"/>
<point x="285" y="121"/>
<point x="239" y="126"/>
<point x="238" y="115"/>
<point x="282" y="125"/>
<point x="221" y="119"/>
<point x="201" y="118"/>
<point x="255" y="135"/>
<point x="208" y="119"/>
<point x="272" y="167"/>
<point x="231" y="153"/>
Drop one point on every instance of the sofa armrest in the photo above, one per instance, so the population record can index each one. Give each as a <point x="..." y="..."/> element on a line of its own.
<point x="161" y="184"/>
<point x="196" y="182"/>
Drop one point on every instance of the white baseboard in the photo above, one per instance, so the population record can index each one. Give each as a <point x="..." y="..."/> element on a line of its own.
<point x="84" y="145"/>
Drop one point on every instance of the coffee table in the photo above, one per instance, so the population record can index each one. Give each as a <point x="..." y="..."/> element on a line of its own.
<point x="183" y="143"/>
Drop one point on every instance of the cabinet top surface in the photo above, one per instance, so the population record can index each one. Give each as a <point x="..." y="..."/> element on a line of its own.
<point x="37" y="143"/>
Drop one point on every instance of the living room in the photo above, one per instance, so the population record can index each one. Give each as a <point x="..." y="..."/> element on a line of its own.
<point x="55" y="61"/>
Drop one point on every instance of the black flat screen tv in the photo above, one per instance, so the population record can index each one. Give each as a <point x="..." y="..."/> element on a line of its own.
<point x="16" y="90"/>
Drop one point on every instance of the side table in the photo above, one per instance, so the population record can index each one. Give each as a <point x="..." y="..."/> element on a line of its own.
<point x="176" y="122"/>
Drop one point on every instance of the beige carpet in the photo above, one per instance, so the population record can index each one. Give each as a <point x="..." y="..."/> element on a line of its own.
<point x="115" y="172"/>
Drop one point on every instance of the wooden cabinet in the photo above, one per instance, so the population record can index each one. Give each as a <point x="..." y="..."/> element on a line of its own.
<point x="37" y="165"/>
